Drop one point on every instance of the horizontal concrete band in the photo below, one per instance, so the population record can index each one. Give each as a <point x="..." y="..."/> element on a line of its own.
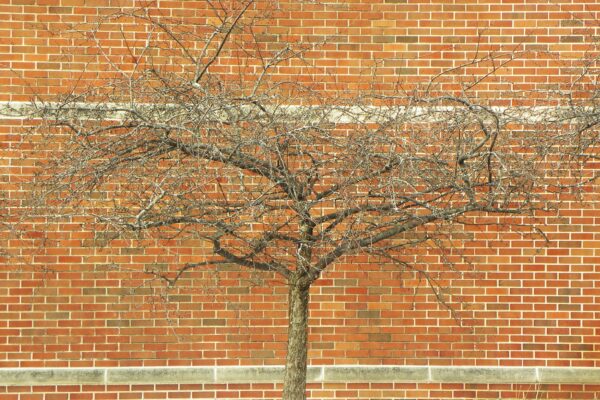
<point x="20" y="110"/>
<point x="358" y="373"/>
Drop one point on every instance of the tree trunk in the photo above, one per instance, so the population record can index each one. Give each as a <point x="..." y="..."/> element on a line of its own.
<point x="294" y="383"/>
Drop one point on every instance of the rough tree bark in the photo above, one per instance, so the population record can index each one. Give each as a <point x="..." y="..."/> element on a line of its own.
<point x="295" y="367"/>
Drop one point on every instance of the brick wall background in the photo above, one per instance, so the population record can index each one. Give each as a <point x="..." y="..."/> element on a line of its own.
<point x="521" y="301"/>
<point x="325" y="391"/>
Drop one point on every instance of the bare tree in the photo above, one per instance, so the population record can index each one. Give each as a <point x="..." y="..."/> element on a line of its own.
<point x="278" y="177"/>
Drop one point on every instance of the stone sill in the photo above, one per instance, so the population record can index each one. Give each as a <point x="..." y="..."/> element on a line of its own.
<point x="254" y="374"/>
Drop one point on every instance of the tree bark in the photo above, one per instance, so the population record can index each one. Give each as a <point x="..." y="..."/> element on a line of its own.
<point x="294" y="383"/>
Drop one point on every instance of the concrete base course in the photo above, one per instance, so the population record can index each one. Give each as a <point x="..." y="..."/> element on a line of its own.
<point x="254" y="374"/>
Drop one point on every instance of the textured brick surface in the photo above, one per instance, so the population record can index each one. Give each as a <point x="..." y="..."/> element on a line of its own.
<point x="522" y="301"/>
<point x="317" y="391"/>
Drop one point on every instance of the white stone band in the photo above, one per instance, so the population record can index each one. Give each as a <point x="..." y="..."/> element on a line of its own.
<point x="262" y="374"/>
<point x="21" y="110"/>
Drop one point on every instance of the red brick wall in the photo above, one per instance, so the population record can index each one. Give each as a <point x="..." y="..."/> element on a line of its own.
<point x="315" y="391"/>
<point x="522" y="301"/>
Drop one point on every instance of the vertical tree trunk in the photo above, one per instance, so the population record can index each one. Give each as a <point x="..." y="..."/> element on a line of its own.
<point x="294" y="383"/>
